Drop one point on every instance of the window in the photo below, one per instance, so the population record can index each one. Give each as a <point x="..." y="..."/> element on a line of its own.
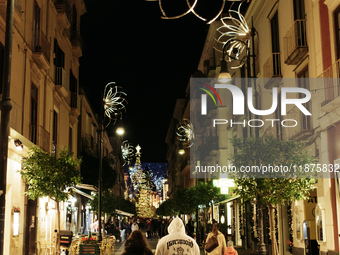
<point x="299" y="9"/>
<point x="36" y="27"/>
<point x="337" y="30"/>
<point x="276" y="44"/>
<point x="275" y="33"/>
<point x="70" y="137"/>
<point x="34" y="113"/>
<point x="73" y="89"/>
<point x="59" y="60"/>
<point x="55" y="133"/>
<point x="303" y="82"/>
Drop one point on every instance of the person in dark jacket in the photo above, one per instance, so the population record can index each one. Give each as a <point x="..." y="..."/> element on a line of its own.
<point x="136" y="244"/>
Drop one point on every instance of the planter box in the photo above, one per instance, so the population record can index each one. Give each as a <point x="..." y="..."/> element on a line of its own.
<point x="89" y="249"/>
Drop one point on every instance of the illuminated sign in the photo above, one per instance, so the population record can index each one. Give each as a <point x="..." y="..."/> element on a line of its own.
<point x="224" y="184"/>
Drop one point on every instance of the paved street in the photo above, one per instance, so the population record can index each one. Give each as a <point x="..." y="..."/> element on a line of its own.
<point x="153" y="243"/>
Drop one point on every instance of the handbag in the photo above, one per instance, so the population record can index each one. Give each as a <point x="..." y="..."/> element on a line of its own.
<point x="211" y="244"/>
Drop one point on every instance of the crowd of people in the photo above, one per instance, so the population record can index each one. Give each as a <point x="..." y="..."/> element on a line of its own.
<point x="175" y="238"/>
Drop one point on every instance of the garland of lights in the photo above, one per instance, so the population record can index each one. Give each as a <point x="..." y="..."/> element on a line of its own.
<point x="290" y="228"/>
<point x="253" y="222"/>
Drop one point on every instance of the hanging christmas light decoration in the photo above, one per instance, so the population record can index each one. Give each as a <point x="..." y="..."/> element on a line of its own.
<point x="191" y="10"/>
<point x="185" y="132"/>
<point x="234" y="35"/>
<point x="113" y="100"/>
<point x="127" y="152"/>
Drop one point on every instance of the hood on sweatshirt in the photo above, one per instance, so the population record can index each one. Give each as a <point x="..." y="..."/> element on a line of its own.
<point x="177" y="226"/>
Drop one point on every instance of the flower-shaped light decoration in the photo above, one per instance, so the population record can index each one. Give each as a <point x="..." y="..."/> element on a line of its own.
<point x="113" y="101"/>
<point x="234" y="35"/>
<point x="127" y="152"/>
<point x="185" y="132"/>
<point x="191" y="9"/>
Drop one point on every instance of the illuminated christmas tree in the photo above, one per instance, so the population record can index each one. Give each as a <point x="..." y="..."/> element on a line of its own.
<point x="142" y="182"/>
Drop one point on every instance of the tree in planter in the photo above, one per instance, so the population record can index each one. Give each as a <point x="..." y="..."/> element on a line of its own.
<point x="49" y="176"/>
<point x="265" y="151"/>
<point x="204" y="195"/>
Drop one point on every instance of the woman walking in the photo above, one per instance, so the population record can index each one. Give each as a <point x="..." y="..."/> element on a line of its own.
<point x="136" y="244"/>
<point x="221" y="248"/>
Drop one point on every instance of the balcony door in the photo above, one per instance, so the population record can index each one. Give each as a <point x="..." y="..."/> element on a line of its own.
<point x="36" y="26"/>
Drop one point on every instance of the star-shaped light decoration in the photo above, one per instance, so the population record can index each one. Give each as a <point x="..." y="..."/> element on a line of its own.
<point x="114" y="101"/>
<point x="234" y="35"/>
<point x="138" y="148"/>
<point x="185" y="132"/>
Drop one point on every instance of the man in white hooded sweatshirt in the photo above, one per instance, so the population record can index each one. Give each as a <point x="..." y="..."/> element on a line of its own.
<point x="177" y="242"/>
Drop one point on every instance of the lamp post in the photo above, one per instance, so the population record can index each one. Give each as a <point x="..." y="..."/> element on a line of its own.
<point x="251" y="74"/>
<point x="112" y="105"/>
<point x="6" y="107"/>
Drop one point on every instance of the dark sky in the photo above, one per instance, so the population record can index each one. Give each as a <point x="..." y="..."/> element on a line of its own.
<point x="127" y="42"/>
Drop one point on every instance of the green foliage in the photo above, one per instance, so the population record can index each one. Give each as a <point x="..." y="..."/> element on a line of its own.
<point x="110" y="203"/>
<point x="251" y="151"/>
<point x="49" y="176"/>
<point x="186" y="201"/>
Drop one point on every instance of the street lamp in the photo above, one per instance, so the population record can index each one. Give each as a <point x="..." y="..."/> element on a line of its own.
<point x="113" y="103"/>
<point x="233" y="47"/>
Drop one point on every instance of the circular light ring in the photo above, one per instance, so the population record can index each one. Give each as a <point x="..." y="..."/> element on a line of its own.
<point x="191" y="9"/>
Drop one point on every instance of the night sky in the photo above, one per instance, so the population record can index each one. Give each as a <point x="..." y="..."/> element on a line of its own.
<point x="150" y="58"/>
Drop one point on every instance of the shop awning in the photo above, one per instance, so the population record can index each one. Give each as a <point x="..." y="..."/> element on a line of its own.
<point x="227" y="200"/>
<point x="82" y="193"/>
<point x="88" y="187"/>
<point x="124" y="213"/>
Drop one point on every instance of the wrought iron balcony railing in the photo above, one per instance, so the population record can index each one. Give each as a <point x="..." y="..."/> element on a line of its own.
<point x="41" y="44"/>
<point x="295" y="42"/>
<point x="329" y="86"/>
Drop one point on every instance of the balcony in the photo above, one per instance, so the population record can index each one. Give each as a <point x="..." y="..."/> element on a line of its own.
<point x="90" y="143"/>
<point x="76" y="43"/>
<point x="329" y="87"/>
<point x="209" y="149"/>
<point x="62" y="82"/>
<point x="75" y="104"/>
<point x="304" y="127"/>
<point x="40" y="137"/>
<point x="63" y="13"/>
<point x="272" y="70"/>
<point x="295" y="43"/>
<point x="41" y="50"/>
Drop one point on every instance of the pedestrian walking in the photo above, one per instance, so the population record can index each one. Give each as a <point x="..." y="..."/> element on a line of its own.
<point x="134" y="226"/>
<point x="161" y="229"/>
<point x="177" y="242"/>
<point x="128" y="228"/>
<point x="148" y="229"/>
<point x="190" y="228"/>
<point x="222" y="246"/>
<point x="136" y="244"/>
<point x="230" y="249"/>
